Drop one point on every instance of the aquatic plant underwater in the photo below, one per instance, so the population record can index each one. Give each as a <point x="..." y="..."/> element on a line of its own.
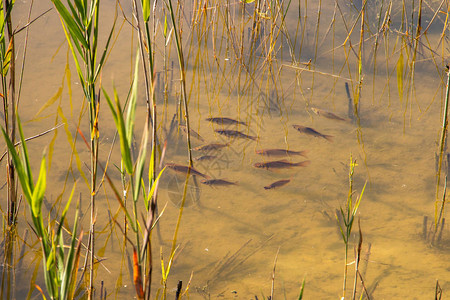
<point x="210" y="137"/>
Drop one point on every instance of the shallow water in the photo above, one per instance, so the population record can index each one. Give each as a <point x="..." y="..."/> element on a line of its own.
<point x="229" y="236"/>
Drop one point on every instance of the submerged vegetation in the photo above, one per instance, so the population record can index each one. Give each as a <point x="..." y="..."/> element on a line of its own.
<point x="181" y="116"/>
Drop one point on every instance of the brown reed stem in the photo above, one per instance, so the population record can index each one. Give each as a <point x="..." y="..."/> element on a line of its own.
<point x="441" y="147"/>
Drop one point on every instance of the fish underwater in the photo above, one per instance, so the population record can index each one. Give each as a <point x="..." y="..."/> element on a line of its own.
<point x="277" y="184"/>
<point x="185" y="170"/>
<point x="205" y="158"/>
<point x="217" y="182"/>
<point x="211" y="147"/>
<point x="328" y="115"/>
<point x="225" y="121"/>
<point x="313" y="132"/>
<point x="192" y="132"/>
<point x="280" y="152"/>
<point x="235" y="134"/>
<point x="280" y="164"/>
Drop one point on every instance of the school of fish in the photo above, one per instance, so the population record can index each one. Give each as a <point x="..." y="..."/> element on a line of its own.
<point x="280" y="164"/>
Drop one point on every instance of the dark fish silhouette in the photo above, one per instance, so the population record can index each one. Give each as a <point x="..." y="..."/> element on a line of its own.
<point x="313" y="132"/>
<point x="235" y="134"/>
<point x="192" y="132"/>
<point x="217" y="182"/>
<point x="225" y="121"/>
<point x="277" y="184"/>
<point x="280" y="152"/>
<point x="211" y="147"/>
<point x="185" y="169"/>
<point x="281" y="164"/>
<point x="205" y="158"/>
<point x="328" y="115"/>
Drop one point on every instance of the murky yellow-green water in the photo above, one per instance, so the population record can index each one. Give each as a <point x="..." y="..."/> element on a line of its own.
<point x="229" y="235"/>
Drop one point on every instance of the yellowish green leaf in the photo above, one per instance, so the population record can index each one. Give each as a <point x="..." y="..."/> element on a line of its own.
<point x="7" y="58"/>
<point x="69" y="83"/>
<point x="39" y="190"/>
<point x="146" y="9"/>
<point x="49" y="102"/>
<point x="165" y="26"/>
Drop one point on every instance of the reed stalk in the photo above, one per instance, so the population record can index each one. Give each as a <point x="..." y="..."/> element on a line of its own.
<point x="7" y="77"/>
<point x="182" y="77"/>
<point x="442" y="143"/>
<point x="8" y="82"/>
<point x="316" y="46"/>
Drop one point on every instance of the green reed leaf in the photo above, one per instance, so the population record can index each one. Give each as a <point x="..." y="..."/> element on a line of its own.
<point x="81" y="8"/>
<point x="120" y="126"/>
<point x="140" y="163"/>
<point x="23" y="177"/>
<point x="146" y="9"/>
<point x="71" y="257"/>
<point x="75" y="13"/>
<point x="66" y="208"/>
<point x="75" y="57"/>
<point x="105" y="52"/>
<point x="39" y="190"/>
<point x="133" y="100"/>
<point x="7" y="57"/>
<point x="302" y="289"/>
<point x="152" y="190"/>
<point x="25" y="156"/>
<point x="75" y="31"/>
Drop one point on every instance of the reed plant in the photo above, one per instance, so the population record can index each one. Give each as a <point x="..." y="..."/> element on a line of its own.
<point x="134" y="172"/>
<point x="80" y="22"/>
<point x="60" y="261"/>
<point x="347" y="217"/>
<point x="11" y="77"/>
<point x="146" y="49"/>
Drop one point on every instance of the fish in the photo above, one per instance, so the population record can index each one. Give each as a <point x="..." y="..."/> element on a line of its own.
<point x="280" y="152"/>
<point x="211" y="147"/>
<point x="192" y="132"/>
<point x="185" y="170"/>
<point x="328" y="115"/>
<point x="205" y="158"/>
<point x="313" y="132"/>
<point x="217" y="182"/>
<point x="225" y="121"/>
<point x="277" y="184"/>
<point x="280" y="164"/>
<point x="235" y="134"/>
